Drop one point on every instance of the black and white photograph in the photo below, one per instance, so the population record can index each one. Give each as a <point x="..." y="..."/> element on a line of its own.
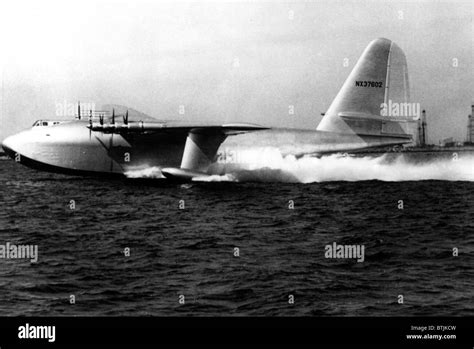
<point x="237" y="163"/>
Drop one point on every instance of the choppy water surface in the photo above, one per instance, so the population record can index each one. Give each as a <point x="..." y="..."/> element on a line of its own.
<point x="190" y="251"/>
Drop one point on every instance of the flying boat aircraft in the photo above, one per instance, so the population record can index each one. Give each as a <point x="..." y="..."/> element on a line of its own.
<point x="104" y="143"/>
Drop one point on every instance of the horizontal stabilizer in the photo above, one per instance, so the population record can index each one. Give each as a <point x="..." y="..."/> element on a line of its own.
<point x="373" y="125"/>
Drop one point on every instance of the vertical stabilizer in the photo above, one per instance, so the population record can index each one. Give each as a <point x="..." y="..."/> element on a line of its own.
<point x="379" y="78"/>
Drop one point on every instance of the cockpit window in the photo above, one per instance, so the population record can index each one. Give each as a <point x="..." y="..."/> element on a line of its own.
<point x="45" y="123"/>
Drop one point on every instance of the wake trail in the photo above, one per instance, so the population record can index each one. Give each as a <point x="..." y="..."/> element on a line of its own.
<point x="269" y="165"/>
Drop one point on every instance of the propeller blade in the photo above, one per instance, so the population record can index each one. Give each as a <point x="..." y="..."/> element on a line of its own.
<point x="101" y="119"/>
<point x="113" y="116"/>
<point x="125" y="118"/>
<point x="90" y="124"/>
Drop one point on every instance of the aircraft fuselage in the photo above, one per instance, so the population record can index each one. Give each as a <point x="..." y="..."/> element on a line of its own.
<point x="70" y="147"/>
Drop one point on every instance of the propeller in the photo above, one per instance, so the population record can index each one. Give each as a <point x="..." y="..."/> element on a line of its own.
<point x="90" y="124"/>
<point x="125" y="118"/>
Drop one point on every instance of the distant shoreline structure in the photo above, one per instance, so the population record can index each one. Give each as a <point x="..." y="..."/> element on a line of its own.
<point x="426" y="149"/>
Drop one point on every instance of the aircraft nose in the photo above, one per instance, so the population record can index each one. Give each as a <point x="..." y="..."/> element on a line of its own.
<point x="9" y="145"/>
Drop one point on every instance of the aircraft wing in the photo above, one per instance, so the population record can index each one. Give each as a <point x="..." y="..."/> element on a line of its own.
<point x="200" y="149"/>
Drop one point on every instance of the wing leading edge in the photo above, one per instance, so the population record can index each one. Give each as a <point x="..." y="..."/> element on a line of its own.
<point x="170" y="127"/>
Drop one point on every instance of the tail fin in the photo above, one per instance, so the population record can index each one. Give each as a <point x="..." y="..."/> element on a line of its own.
<point x="380" y="76"/>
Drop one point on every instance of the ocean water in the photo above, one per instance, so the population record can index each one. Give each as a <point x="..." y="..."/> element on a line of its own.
<point x="190" y="251"/>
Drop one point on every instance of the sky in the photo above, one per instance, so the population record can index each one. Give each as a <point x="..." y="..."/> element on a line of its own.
<point x="226" y="61"/>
